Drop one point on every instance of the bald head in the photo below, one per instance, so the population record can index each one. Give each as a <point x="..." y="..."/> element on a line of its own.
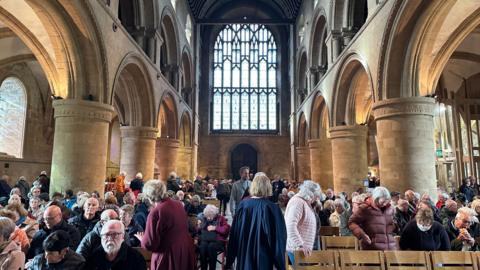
<point x="108" y="214"/>
<point x="52" y="216"/>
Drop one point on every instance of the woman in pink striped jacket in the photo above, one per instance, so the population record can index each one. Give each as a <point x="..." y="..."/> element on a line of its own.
<point x="300" y="219"/>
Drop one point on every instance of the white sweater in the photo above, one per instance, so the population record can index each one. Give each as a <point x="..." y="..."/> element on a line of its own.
<point x="301" y="224"/>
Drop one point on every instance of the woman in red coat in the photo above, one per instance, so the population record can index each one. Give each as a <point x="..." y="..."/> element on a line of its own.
<point x="166" y="233"/>
<point x="373" y="223"/>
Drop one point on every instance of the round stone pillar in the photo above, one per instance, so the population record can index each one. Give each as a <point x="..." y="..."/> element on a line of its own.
<point x="138" y="151"/>
<point x="303" y="163"/>
<point x="406" y="144"/>
<point x="80" y="145"/>
<point x="166" y="152"/>
<point x="349" y="157"/>
<point x="321" y="170"/>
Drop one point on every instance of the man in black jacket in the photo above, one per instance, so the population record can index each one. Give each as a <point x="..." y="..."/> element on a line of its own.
<point x="53" y="222"/>
<point x="114" y="254"/>
<point x="85" y="221"/>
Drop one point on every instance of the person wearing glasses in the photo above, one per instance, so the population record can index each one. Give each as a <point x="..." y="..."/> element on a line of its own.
<point x="53" y="221"/>
<point x="114" y="254"/>
<point x="458" y="230"/>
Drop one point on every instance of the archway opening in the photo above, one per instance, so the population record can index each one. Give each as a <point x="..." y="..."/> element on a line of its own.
<point x="243" y="155"/>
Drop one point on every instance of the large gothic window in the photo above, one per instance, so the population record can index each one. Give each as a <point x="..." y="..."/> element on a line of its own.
<point x="13" y="107"/>
<point x="245" y="79"/>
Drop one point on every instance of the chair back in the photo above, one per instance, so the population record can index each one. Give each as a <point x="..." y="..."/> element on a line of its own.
<point x="361" y="260"/>
<point x="453" y="260"/>
<point x="318" y="260"/>
<point x="408" y="260"/>
<point x="329" y="231"/>
<point x="147" y="255"/>
<point x="339" y="242"/>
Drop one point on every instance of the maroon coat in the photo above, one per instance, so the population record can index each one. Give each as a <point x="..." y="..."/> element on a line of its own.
<point x="376" y="223"/>
<point x="166" y="235"/>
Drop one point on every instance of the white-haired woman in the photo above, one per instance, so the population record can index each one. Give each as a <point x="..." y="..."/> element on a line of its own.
<point x="372" y="222"/>
<point x="339" y="218"/>
<point x="300" y="219"/>
<point x="258" y="234"/>
<point x="166" y="233"/>
<point x="213" y="232"/>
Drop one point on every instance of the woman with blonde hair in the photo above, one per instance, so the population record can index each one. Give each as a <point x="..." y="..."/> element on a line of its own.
<point x="258" y="234"/>
<point x="166" y="233"/>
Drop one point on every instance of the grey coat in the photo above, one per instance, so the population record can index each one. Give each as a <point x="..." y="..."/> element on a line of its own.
<point x="238" y="189"/>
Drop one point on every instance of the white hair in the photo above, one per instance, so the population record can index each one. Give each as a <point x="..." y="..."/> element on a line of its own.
<point x="113" y="222"/>
<point x="381" y="192"/>
<point x="139" y="175"/>
<point x="339" y="202"/>
<point x="475" y="204"/>
<point x="309" y="190"/>
<point x="468" y="212"/>
<point x="210" y="209"/>
<point x="290" y="194"/>
<point x="123" y="173"/>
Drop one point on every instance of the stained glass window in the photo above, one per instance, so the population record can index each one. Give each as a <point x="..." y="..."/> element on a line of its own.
<point x="244" y="79"/>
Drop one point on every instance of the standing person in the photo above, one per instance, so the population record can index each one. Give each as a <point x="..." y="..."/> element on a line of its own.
<point x="467" y="189"/>
<point x="198" y="188"/>
<point x="42" y="181"/>
<point x="223" y="194"/>
<point x="277" y="186"/>
<point x="300" y="219"/>
<point x="120" y="186"/>
<point x="258" y="234"/>
<point x="373" y="223"/>
<point x="239" y="189"/>
<point x="137" y="184"/>
<point x="166" y="234"/>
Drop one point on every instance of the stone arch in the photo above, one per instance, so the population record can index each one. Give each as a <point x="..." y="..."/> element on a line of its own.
<point x="353" y="93"/>
<point x="138" y="18"/>
<point x="73" y="63"/>
<point x="337" y="14"/>
<point x="318" y="47"/>
<point x="186" y="87"/>
<point x="167" y="117"/>
<point x="169" y="52"/>
<point x="302" y="78"/>
<point x="438" y="28"/>
<point x="356" y="14"/>
<point x="133" y="93"/>
<point x="185" y="131"/>
<point x="303" y="131"/>
<point x="319" y="123"/>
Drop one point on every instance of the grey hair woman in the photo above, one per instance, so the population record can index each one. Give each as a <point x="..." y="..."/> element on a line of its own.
<point x="11" y="255"/>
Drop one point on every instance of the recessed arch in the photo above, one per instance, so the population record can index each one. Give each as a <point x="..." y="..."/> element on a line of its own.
<point x="187" y="77"/>
<point x="169" y="54"/>
<point x="133" y="93"/>
<point x="353" y="94"/>
<point x="318" y="46"/>
<point x="167" y="118"/>
<point x="302" y="78"/>
<point x="302" y="131"/>
<point x="319" y="120"/>
<point x="185" y="132"/>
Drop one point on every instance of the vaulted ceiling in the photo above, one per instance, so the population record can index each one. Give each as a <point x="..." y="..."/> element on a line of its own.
<point x="203" y="9"/>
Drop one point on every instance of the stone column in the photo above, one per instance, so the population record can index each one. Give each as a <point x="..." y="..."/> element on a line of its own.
<point x="166" y="157"/>
<point x="80" y="145"/>
<point x="138" y="151"/>
<point x="321" y="170"/>
<point x="303" y="163"/>
<point x="348" y="35"/>
<point x="406" y="144"/>
<point x="349" y="157"/>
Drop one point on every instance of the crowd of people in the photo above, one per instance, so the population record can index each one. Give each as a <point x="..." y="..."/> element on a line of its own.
<point x="268" y="219"/>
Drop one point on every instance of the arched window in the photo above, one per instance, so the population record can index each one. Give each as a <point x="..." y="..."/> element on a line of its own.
<point x="188" y="29"/>
<point x="245" y="79"/>
<point x="13" y="108"/>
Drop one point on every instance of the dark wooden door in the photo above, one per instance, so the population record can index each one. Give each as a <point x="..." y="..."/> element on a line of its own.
<point x="243" y="155"/>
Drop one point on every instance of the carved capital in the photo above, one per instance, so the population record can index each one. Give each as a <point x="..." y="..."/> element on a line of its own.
<point x="89" y="110"/>
<point x="139" y="132"/>
<point x="348" y="131"/>
<point x="167" y="142"/>
<point x="404" y="106"/>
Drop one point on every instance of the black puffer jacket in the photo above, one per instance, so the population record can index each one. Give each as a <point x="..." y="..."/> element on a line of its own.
<point x="72" y="261"/>
<point x="84" y="226"/>
<point x="90" y="242"/>
<point x="36" y="246"/>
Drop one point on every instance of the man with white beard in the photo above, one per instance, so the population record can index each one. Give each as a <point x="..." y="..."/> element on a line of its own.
<point x="114" y="254"/>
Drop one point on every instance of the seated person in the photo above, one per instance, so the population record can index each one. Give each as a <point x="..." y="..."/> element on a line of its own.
<point x="114" y="254"/>
<point x="195" y="207"/>
<point x="213" y="232"/>
<point x="57" y="255"/>
<point x="458" y="231"/>
<point x="132" y="228"/>
<point x="86" y="220"/>
<point x="340" y="217"/>
<point x="424" y="233"/>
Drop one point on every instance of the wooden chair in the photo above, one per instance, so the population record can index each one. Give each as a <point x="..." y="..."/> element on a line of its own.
<point x="361" y="260"/>
<point x="453" y="260"/>
<point x="329" y="231"/>
<point x="408" y="260"/>
<point x="147" y="255"/>
<point x="339" y="242"/>
<point x="319" y="260"/>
